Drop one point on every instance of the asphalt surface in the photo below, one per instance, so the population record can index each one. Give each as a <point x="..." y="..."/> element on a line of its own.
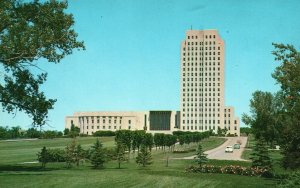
<point x="219" y="152"/>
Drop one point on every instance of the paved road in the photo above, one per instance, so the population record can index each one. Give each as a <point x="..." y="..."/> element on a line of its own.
<point x="219" y="152"/>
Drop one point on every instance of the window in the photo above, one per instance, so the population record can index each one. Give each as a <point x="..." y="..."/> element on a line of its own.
<point x="129" y="127"/>
<point x="92" y="127"/>
<point x="97" y="127"/>
<point x="129" y="121"/>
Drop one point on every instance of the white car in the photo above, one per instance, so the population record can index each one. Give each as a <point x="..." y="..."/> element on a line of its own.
<point x="229" y="149"/>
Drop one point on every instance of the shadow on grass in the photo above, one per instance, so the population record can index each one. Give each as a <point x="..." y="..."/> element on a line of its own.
<point x="23" y="168"/>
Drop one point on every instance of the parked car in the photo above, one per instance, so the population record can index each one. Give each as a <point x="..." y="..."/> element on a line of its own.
<point x="236" y="146"/>
<point x="229" y="149"/>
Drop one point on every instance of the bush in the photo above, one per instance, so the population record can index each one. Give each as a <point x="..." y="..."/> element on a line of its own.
<point x="184" y="151"/>
<point x="104" y="133"/>
<point x="56" y="155"/>
<point x="238" y="170"/>
<point x="293" y="180"/>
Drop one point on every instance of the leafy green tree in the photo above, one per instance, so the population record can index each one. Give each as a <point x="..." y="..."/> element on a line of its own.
<point x="260" y="156"/>
<point x="98" y="156"/>
<point x="14" y="132"/>
<point x="33" y="133"/>
<point x="120" y="153"/>
<point x="201" y="156"/>
<point x="287" y="75"/>
<point x="181" y="140"/>
<point x="66" y="131"/>
<point x="263" y="111"/>
<point x="43" y="157"/>
<point x="148" y="141"/>
<point x="29" y="31"/>
<point x="124" y="136"/>
<point x="245" y="130"/>
<point x="137" y="139"/>
<point x="74" y="131"/>
<point x="3" y="132"/>
<point x="144" y="157"/>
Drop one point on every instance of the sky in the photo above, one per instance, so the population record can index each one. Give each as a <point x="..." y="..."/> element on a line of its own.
<point x="132" y="56"/>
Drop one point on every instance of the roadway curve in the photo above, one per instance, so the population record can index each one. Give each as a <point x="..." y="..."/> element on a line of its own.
<point x="219" y="152"/>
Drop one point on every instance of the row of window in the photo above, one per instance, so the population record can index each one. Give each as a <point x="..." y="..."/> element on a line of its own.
<point x="207" y="48"/>
<point x="201" y="58"/>
<point x="202" y="43"/>
<point x="103" y="121"/>
<point x="201" y="74"/>
<point x="201" y="69"/>
<point x="202" y="64"/>
<point x="201" y="53"/>
<point x="204" y="128"/>
<point x="104" y="127"/>
<point x="196" y="37"/>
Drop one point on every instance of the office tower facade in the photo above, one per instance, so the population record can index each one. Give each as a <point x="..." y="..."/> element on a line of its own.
<point x="202" y="83"/>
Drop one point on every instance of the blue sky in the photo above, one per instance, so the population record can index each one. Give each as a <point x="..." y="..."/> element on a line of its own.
<point x="132" y="59"/>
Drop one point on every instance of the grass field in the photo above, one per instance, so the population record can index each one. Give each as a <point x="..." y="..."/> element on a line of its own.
<point x="15" y="174"/>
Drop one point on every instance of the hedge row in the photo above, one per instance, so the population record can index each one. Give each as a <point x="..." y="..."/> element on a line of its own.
<point x="238" y="170"/>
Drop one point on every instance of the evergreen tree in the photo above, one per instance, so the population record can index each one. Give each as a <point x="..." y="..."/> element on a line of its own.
<point x="97" y="155"/>
<point x="201" y="157"/>
<point x="71" y="153"/>
<point x="120" y="153"/>
<point x="78" y="154"/>
<point x="43" y="157"/>
<point x="260" y="156"/>
<point x="144" y="157"/>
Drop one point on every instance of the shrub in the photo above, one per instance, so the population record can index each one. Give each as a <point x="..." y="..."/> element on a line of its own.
<point x="238" y="170"/>
<point x="104" y="133"/>
<point x="291" y="181"/>
<point x="184" y="151"/>
<point x="56" y="155"/>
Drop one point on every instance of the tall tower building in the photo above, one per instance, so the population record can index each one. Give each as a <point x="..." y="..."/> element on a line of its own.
<point x="202" y="83"/>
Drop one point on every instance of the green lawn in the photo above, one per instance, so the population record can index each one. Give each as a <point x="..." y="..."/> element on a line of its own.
<point x="13" y="174"/>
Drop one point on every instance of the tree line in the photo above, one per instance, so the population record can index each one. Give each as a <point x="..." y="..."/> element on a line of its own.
<point x="17" y="132"/>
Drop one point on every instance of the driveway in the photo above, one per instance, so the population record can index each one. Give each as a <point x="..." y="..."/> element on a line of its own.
<point x="219" y="152"/>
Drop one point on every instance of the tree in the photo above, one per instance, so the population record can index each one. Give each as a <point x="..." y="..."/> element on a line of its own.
<point x="263" y="111"/>
<point x="66" y="131"/>
<point x="148" y="141"/>
<point x="287" y="75"/>
<point x="144" y="157"/>
<point x="137" y="139"/>
<point x="74" y="131"/>
<point x="33" y="133"/>
<point x="246" y="130"/>
<point x="70" y="153"/>
<point x="30" y="31"/>
<point x="14" y="132"/>
<point x="260" y="156"/>
<point x="124" y="136"/>
<point x="120" y="153"/>
<point x="3" y="132"/>
<point x="98" y="156"/>
<point x="43" y="157"/>
<point x="78" y="154"/>
<point x="200" y="156"/>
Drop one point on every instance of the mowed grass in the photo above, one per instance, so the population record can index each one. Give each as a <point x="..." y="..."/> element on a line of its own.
<point x="25" y="150"/>
<point x="14" y="174"/>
